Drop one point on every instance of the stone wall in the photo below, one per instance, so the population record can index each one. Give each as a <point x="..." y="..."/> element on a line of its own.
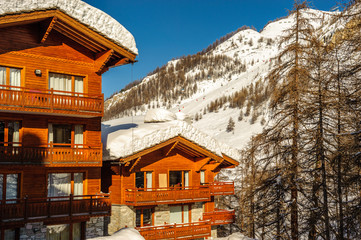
<point x="122" y="216"/>
<point x="95" y="227"/>
<point x="33" y="231"/>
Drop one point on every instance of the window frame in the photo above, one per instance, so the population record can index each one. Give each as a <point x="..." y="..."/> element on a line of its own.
<point x="182" y="177"/>
<point x="72" y="141"/>
<point x="6" y="132"/>
<point x="85" y="180"/>
<point x="3" y="193"/>
<point x="152" y="211"/>
<point x="7" y="75"/>
<point x="145" y="181"/>
<point x="189" y="212"/>
<point x="72" y="75"/>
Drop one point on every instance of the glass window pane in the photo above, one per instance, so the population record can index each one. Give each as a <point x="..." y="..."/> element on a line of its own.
<point x="186" y="179"/>
<point x="78" y="135"/>
<point x="186" y="214"/>
<point x="11" y="186"/>
<point x="76" y="231"/>
<point x="10" y="234"/>
<point x="59" y="184"/>
<point x="203" y="177"/>
<point x="78" y="184"/>
<point x="175" y="214"/>
<point x="13" y="132"/>
<point x="78" y="85"/>
<point x="1" y="185"/>
<point x="149" y="180"/>
<point x="2" y="76"/>
<point x="62" y="133"/>
<point x="175" y="178"/>
<point x="2" y="133"/>
<point x="139" y="179"/>
<point x="15" y="75"/>
<point x="138" y="213"/>
<point x="60" y="82"/>
<point x="147" y="217"/>
<point x="57" y="232"/>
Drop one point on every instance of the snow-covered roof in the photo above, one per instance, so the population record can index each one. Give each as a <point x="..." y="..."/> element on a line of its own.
<point x="96" y="19"/>
<point x="126" y="136"/>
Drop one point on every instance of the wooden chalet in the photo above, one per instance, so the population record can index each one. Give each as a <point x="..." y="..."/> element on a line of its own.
<point x="165" y="190"/>
<point x="50" y="121"/>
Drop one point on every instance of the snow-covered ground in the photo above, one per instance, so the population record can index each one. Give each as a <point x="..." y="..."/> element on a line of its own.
<point x="123" y="234"/>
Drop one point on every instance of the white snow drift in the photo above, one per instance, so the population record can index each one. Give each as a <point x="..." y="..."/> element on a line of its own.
<point x="96" y="19"/>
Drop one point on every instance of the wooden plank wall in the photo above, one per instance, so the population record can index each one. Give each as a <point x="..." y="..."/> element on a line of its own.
<point x="21" y="48"/>
<point x="34" y="130"/>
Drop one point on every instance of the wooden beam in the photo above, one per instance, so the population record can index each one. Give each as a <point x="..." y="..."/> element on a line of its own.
<point x="205" y="163"/>
<point x="48" y="30"/>
<point x="217" y="165"/>
<point x="135" y="163"/>
<point x="174" y="145"/>
<point x="102" y="59"/>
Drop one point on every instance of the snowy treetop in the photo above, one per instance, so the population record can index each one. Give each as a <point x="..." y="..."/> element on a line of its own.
<point x="127" y="136"/>
<point x="96" y="19"/>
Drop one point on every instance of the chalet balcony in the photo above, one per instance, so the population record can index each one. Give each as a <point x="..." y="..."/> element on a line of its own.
<point x="21" y="211"/>
<point x="177" y="231"/>
<point x="50" y="101"/>
<point x="52" y="155"/>
<point x="154" y="196"/>
<point x="219" y="217"/>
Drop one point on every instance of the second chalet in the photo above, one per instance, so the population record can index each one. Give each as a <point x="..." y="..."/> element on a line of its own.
<point x="161" y="173"/>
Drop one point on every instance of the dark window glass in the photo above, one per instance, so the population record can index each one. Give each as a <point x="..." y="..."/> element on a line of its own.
<point x="138" y="217"/>
<point x="2" y="133"/>
<point x="175" y="178"/>
<point x="62" y="133"/>
<point x="139" y="179"/>
<point x="147" y="217"/>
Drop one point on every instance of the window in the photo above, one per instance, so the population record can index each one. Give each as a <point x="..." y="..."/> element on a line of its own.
<point x="10" y="133"/>
<point x="67" y="83"/>
<point x="61" y="135"/>
<point x="143" y="180"/>
<point x="10" y="234"/>
<point x="144" y="217"/>
<point x="178" y="178"/>
<point x="203" y="178"/>
<point x="63" y="231"/>
<point x="64" y="184"/>
<point x="9" y="186"/>
<point x="10" y="77"/>
<point x="179" y="214"/>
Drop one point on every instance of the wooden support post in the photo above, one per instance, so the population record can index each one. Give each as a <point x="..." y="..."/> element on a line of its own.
<point x="174" y="145"/>
<point x="91" y="205"/>
<point x="135" y="163"/>
<point x="71" y="205"/>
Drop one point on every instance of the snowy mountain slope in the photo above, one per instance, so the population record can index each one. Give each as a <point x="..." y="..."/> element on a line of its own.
<point x="253" y="49"/>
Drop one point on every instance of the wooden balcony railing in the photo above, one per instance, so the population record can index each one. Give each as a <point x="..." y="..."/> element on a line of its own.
<point x="219" y="217"/>
<point x="221" y="188"/>
<point x="52" y="208"/>
<point x="51" y="155"/>
<point x="50" y="101"/>
<point x="177" y="231"/>
<point x="151" y="196"/>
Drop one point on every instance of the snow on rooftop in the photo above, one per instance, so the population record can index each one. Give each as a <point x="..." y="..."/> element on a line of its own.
<point x="126" y="136"/>
<point x="81" y="11"/>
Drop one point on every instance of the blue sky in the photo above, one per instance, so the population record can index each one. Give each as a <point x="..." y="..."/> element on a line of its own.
<point x="165" y="29"/>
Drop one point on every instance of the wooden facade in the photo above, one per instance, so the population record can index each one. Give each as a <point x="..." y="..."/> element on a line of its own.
<point x="48" y="130"/>
<point x="175" y="175"/>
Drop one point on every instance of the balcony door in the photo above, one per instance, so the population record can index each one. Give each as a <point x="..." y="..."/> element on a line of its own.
<point x="179" y="214"/>
<point x="61" y="135"/>
<point x="10" y="77"/>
